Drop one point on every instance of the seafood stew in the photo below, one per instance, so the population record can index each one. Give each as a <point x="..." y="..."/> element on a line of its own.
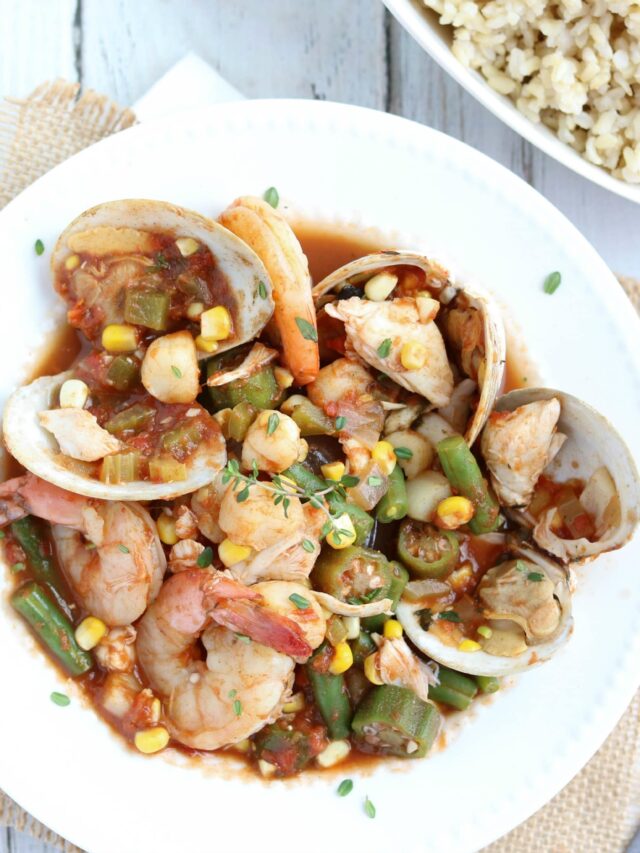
<point x="292" y="514"/>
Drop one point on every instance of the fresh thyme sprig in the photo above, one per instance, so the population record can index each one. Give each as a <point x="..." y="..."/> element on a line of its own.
<point x="283" y="489"/>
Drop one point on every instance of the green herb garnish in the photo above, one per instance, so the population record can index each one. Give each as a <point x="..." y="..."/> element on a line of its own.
<point x="176" y="371"/>
<point x="300" y="602"/>
<point x="345" y="787"/>
<point x="60" y="699"/>
<point x="205" y="558"/>
<point x="237" y="707"/>
<point x="536" y="577"/>
<point x="369" y="808"/>
<point x="123" y="548"/>
<point x="39" y="247"/>
<point x="272" y="423"/>
<point x="272" y="196"/>
<point x="308" y="546"/>
<point x="449" y="616"/>
<point x="262" y="290"/>
<point x="307" y="329"/>
<point x="340" y="423"/>
<point x="374" y="481"/>
<point x="552" y="282"/>
<point x="385" y="348"/>
<point x="403" y="452"/>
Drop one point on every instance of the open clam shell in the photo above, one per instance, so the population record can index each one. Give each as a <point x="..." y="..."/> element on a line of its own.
<point x="533" y="650"/>
<point x="595" y="453"/>
<point x="36" y="449"/>
<point x="129" y="229"/>
<point x="462" y="307"/>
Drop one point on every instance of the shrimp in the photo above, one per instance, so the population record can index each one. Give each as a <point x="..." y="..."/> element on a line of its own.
<point x="258" y="522"/>
<point x="270" y="236"/>
<point x="241" y="685"/>
<point x="116" y="579"/>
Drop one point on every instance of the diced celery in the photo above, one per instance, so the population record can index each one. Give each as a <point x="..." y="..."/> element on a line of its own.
<point x="133" y="419"/>
<point x="166" y="469"/>
<point x="123" y="372"/>
<point x="240" y="420"/>
<point x="120" y="467"/>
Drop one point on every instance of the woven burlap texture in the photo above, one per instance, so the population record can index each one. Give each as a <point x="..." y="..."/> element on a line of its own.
<point x="599" y="809"/>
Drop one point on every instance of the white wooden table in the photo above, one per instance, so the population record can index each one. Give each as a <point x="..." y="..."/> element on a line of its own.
<point x="341" y="50"/>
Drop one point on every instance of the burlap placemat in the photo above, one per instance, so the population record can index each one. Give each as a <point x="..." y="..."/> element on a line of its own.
<point x="599" y="809"/>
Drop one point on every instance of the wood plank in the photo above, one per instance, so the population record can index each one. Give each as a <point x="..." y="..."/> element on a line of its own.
<point x="323" y="49"/>
<point x="36" y="44"/>
<point x="12" y="841"/>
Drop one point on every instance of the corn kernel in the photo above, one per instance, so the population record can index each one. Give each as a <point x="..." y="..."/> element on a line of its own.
<point x="230" y="553"/>
<point x="194" y="310"/>
<point x="385" y="457"/>
<point x="343" y="534"/>
<point x="333" y="471"/>
<point x="207" y="345"/>
<point x="333" y="754"/>
<point x="303" y="452"/>
<point x="222" y="417"/>
<point x="266" y="768"/>
<point x="151" y="740"/>
<point x="371" y="669"/>
<point x="284" y="377"/>
<point x="469" y="646"/>
<point x="118" y="337"/>
<point x="72" y="262"/>
<point x="485" y="631"/>
<point x="453" y="512"/>
<point x="216" y="323"/>
<point x="155" y="711"/>
<point x="413" y="355"/>
<point x="392" y="629"/>
<point x="166" y="526"/>
<point x="459" y="578"/>
<point x="295" y="704"/>
<point x="342" y="659"/>
<point x="73" y="394"/>
<point x="243" y="746"/>
<point x="380" y="286"/>
<point x="89" y="632"/>
<point x="187" y="246"/>
<point x="352" y="624"/>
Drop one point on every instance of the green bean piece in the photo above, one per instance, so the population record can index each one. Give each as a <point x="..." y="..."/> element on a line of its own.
<point x="362" y="647"/>
<point x="453" y="689"/>
<point x="305" y="479"/>
<point x="463" y="473"/>
<point x="330" y="694"/>
<point x="354" y="574"/>
<point x="241" y="417"/>
<point x="457" y="681"/>
<point x="146" y="307"/>
<point x="392" y="720"/>
<point x="488" y="683"/>
<point x="51" y="626"/>
<point x="133" y="419"/>
<point x="123" y="372"/>
<point x="447" y="696"/>
<point x="399" y="579"/>
<point x="394" y="504"/>
<point x="427" y="551"/>
<point x="33" y="536"/>
<point x="260" y="389"/>
<point x="289" y="750"/>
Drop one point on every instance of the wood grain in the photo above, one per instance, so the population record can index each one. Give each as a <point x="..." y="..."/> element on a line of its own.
<point x="326" y="49"/>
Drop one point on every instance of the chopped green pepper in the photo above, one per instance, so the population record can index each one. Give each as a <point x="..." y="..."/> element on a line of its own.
<point x="304" y="477"/>
<point x="463" y="473"/>
<point x="310" y="418"/>
<point x="134" y="419"/>
<point x="394" y="504"/>
<point x="33" y="536"/>
<point x="428" y="551"/>
<point x="330" y="694"/>
<point x="354" y="574"/>
<point x="240" y="419"/>
<point x="260" y="389"/>
<point x="123" y="372"/>
<point x="51" y="626"/>
<point x="399" y="579"/>
<point x="287" y="749"/>
<point x="182" y="440"/>
<point x="392" y="720"/>
<point x="146" y="307"/>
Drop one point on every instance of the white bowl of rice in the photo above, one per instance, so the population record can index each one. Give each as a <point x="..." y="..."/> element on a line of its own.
<point x="564" y="75"/>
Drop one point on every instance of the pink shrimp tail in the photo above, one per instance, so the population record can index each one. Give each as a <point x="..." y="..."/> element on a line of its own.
<point x="29" y="495"/>
<point x="264" y="626"/>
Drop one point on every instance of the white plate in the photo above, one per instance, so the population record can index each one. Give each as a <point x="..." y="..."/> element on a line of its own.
<point x="435" y="38"/>
<point x="350" y="165"/>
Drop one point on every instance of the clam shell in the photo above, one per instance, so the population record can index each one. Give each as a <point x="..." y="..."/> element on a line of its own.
<point x="480" y="662"/>
<point x="445" y="290"/>
<point x="36" y="449"/>
<point x="592" y="442"/>
<point x="241" y="267"/>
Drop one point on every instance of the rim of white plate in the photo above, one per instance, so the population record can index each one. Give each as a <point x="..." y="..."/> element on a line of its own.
<point x="413" y="140"/>
<point x="434" y="38"/>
